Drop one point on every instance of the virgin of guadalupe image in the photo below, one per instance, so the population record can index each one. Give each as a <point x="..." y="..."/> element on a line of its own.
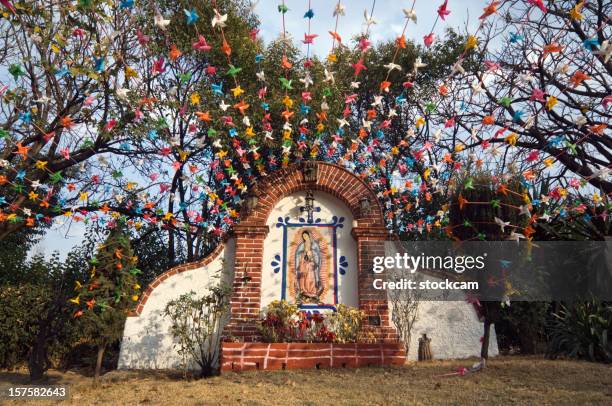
<point x="308" y="269"/>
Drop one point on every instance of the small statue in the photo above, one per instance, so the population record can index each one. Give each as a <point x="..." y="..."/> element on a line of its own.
<point x="425" y="348"/>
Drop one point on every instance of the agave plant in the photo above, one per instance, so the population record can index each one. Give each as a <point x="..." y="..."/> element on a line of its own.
<point x="582" y="330"/>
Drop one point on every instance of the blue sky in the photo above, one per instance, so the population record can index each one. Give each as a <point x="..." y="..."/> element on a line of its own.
<point x="390" y="20"/>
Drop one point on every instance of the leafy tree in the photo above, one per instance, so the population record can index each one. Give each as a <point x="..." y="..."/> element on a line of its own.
<point x="109" y="293"/>
<point x="36" y="321"/>
<point x="546" y="84"/>
<point x="476" y="204"/>
<point x="20" y="307"/>
<point x="14" y="255"/>
<point x="583" y="222"/>
<point x="59" y="107"/>
<point x="148" y="244"/>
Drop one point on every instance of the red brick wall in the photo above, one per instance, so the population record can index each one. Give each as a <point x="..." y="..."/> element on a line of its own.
<point x="331" y="178"/>
<point x="371" y="243"/>
<point x="250" y="233"/>
<point x="275" y="356"/>
<point x="246" y="297"/>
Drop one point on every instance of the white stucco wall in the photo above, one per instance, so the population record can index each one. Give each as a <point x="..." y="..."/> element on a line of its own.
<point x="452" y="324"/>
<point x="147" y="342"/>
<point x="347" y="247"/>
<point x="454" y="330"/>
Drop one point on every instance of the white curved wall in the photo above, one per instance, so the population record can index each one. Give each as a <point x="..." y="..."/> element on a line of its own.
<point x="452" y="325"/>
<point x="454" y="330"/>
<point x="147" y="342"/>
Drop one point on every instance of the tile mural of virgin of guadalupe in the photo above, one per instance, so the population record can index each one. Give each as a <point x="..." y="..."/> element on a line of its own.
<point x="309" y="266"/>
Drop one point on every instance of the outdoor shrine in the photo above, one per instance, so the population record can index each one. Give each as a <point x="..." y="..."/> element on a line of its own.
<point x="318" y="221"/>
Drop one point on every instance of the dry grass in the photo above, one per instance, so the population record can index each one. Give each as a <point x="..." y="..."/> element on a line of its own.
<point x="507" y="380"/>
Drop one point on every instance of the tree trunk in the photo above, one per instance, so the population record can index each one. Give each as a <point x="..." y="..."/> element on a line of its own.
<point x="528" y="338"/>
<point x="484" y="351"/>
<point x="101" y="348"/>
<point x="37" y="361"/>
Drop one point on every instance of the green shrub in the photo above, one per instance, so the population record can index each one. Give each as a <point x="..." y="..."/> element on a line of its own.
<point x="20" y="309"/>
<point x="583" y="330"/>
<point x="36" y="324"/>
<point x="111" y="289"/>
<point x="522" y="325"/>
<point x="196" y="327"/>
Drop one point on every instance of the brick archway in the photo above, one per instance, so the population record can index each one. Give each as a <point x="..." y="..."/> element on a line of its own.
<point x="330" y="178"/>
<point x="369" y="232"/>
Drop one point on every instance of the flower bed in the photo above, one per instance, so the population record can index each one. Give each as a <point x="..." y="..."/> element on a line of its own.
<point x="276" y="356"/>
<point x="283" y="322"/>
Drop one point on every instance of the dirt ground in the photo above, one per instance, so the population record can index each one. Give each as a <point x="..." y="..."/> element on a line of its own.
<point x="506" y="381"/>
